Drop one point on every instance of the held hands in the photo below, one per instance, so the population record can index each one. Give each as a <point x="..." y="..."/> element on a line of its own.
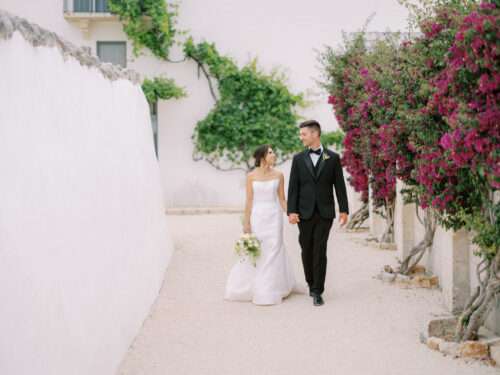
<point x="293" y="218"/>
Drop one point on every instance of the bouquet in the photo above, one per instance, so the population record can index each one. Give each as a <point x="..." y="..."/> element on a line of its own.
<point x="248" y="245"/>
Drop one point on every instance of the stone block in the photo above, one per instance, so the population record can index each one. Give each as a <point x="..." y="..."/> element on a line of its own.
<point x="425" y="281"/>
<point x="495" y="353"/>
<point x="417" y="269"/>
<point x="387" y="277"/>
<point x="433" y="342"/>
<point x="403" y="279"/>
<point x="474" y="349"/>
<point x="443" y="327"/>
<point x="449" y="348"/>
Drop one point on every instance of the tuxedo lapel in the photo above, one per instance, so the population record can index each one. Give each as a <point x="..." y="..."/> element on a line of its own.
<point x="309" y="163"/>
<point x="322" y="161"/>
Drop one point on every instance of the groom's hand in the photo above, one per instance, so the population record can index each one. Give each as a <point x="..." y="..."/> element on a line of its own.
<point x="293" y="218"/>
<point x="343" y="219"/>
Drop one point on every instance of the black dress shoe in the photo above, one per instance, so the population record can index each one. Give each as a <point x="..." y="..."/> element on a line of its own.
<point x="318" y="300"/>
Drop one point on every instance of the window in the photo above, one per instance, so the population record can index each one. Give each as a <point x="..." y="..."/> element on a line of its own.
<point x="82" y="5"/>
<point x="113" y="52"/>
<point x="89" y="6"/>
<point x="101" y="6"/>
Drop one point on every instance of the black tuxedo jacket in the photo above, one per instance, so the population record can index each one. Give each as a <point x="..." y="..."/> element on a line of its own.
<point x="307" y="189"/>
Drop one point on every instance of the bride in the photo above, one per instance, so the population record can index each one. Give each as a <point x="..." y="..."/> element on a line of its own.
<point x="272" y="279"/>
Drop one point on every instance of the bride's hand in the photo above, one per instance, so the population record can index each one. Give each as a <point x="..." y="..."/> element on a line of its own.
<point x="247" y="228"/>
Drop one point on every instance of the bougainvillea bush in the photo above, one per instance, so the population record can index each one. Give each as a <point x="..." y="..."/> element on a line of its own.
<point x="358" y="82"/>
<point x="465" y="168"/>
<point x="426" y="111"/>
<point x="343" y="82"/>
<point x="414" y="136"/>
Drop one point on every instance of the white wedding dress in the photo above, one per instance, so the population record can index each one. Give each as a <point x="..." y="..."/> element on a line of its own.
<point x="272" y="278"/>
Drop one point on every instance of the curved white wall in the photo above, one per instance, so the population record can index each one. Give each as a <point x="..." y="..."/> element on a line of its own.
<point x="83" y="238"/>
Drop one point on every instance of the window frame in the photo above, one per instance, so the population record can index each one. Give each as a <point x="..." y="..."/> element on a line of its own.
<point x="112" y="42"/>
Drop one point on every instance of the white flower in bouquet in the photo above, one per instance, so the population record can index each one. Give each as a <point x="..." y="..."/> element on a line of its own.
<point x="248" y="245"/>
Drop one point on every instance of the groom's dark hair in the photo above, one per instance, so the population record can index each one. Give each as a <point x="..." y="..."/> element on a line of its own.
<point x="311" y="124"/>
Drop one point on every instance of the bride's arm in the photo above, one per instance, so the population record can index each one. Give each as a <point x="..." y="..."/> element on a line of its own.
<point x="248" y="206"/>
<point x="281" y="193"/>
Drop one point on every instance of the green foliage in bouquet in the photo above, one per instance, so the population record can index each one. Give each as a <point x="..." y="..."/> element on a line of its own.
<point x="248" y="245"/>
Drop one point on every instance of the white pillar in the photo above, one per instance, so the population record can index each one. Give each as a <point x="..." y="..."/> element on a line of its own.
<point x="404" y="223"/>
<point x="376" y="222"/>
<point x="450" y="261"/>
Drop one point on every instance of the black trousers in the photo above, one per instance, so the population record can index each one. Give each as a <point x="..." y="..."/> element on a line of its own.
<point x="313" y="238"/>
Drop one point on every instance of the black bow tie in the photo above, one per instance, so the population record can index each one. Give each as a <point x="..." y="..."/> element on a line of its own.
<point x="317" y="152"/>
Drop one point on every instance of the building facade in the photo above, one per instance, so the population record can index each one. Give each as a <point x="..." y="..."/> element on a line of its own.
<point x="280" y="33"/>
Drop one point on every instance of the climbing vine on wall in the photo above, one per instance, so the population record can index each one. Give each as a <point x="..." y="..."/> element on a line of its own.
<point x="161" y="88"/>
<point x="251" y="108"/>
<point x="151" y="24"/>
<point x="148" y="23"/>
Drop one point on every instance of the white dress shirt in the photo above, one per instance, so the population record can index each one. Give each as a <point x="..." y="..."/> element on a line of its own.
<point x="315" y="157"/>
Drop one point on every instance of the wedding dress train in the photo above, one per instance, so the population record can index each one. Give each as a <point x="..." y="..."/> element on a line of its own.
<point x="272" y="279"/>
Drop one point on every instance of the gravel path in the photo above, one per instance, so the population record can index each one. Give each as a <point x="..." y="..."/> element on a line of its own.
<point x="366" y="327"/>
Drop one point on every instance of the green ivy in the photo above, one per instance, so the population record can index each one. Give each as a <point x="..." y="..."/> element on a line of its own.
<point x="252" y="108"/>
<point x="151" y="24"/>
<point x="148" y="23"/>
<point x="161" y="88"/>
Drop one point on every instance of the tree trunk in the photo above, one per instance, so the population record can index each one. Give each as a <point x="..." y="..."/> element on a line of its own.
<point x="359" y="217"/>
<point x="479" y="305"/>
<point x="418" y="251"/>
<point x="388" y="235"/>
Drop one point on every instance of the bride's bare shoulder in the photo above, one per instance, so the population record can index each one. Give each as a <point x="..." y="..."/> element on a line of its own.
<point x="251" y="176"/>
<point x="278" y="173"/>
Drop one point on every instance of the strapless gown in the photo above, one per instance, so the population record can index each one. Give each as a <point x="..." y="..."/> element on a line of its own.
<point x="272" y="279"/>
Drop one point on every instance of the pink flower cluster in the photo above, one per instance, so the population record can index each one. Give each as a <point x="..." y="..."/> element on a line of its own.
<point x="453" y="135"/>
<point x="467" y="95"/>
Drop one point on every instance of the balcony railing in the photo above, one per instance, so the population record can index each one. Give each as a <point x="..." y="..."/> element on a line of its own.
<point x="84" y="12"/>
<point x="86" y="6"/>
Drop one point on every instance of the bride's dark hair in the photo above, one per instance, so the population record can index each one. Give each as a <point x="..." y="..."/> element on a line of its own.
<point x="260" y="153"/>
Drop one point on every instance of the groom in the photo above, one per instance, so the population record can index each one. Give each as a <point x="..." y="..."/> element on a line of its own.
<point x="311" y="205"/>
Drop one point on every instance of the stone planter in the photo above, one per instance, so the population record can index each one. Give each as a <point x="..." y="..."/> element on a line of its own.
<point x="438" y="335"/>
<point x="417" y="278"/>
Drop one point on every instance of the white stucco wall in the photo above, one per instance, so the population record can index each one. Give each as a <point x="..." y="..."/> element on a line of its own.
<point x="451" y="258"/>
<point x="83" y="239"/>
<point x="282" y="33"/>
